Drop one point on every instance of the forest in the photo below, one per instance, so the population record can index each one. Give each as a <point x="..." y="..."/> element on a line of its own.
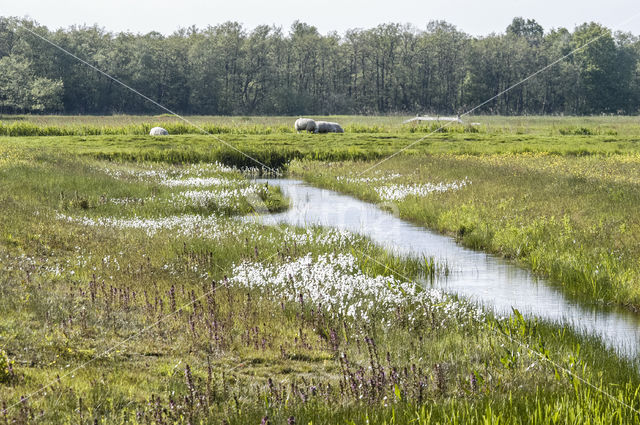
<point x="228" y="69"/>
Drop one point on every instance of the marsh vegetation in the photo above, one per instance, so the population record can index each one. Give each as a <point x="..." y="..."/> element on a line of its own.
<point x="131" y="292"/>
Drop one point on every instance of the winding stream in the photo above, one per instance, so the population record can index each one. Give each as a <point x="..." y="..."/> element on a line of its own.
<point x="494" y="283"/>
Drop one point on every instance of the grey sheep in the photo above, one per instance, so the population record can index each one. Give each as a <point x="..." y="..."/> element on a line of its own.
<point x="328" y="127"/>
<point x="158" y="131"/>
<point x="305" y="124"/>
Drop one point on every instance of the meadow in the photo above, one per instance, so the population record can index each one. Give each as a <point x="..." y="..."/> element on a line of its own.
<point x="132" y="291"/>
<point x="86" y="125"/>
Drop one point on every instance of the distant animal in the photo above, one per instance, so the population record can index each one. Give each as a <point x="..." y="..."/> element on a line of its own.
<point x="328" y="127"/>
<point x="158" y="131"/>
<point x="305" y="124"/>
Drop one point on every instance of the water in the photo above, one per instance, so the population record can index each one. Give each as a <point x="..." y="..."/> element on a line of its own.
<point x="494" y="283"/>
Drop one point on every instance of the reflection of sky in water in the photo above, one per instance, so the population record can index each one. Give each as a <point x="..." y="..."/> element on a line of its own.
<point x="486" y="279"/>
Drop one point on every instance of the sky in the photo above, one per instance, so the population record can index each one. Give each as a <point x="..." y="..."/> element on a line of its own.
<point x="473" y="17"/>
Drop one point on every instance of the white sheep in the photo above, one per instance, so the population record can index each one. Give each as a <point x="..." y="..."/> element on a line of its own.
<point x="328" y="127"/>
<point x="305" y="124"/>
<point x="158" y="131"/>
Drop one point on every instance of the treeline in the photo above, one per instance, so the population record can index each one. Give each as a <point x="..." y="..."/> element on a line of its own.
<point x="227" y="69"/>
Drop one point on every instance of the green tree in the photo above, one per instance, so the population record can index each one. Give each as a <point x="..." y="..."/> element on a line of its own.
<point x="597" y="68"/>
<point x="528" y="29"/>
<point x="228" y="70"/>
<point x="22" y="91"/>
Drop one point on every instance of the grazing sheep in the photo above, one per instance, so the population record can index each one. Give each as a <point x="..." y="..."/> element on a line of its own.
<point x="328" y="127"/>
<point x="158" y="131"/>
<point x="305" y="124"/>
<point x="311" y="126"/>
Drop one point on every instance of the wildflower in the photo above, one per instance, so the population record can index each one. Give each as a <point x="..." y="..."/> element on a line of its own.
<point x="396" y="192"/>
<point x="335" y="282"/>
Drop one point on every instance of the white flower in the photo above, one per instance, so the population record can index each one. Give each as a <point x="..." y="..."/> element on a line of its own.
<point x="335" y="282"/>
<point x="222" y="198"/>
<point x="211" y="227"/>
<point x="396" y="192"/>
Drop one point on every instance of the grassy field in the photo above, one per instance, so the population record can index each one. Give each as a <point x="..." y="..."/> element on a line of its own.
<point x="557" y="194"/>
<point x="131" y="293"/>
<point x="53" y="125"/>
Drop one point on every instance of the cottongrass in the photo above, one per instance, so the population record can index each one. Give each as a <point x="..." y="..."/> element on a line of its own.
<point x="129" y="201"/>
<point x="210" y="227"/>
<point x="50" y="265"/>
<point x="163" y="174"/>
<point x="217" y="227"/>
<point x="223" y="191"/>
<point x="199" y="182"/>
<point x="290" y="236"/>
<point x="221" y="198"/>
<point x="335" y="282"/>
<point x="368" y="179"/>
<point x="334" y="237"/>
<point x="396" y="192"/>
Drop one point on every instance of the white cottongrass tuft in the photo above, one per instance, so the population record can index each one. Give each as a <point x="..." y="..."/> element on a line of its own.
<point x="369" y="179"/>
<point x="335" y="282"/>
<point x="334" y="237"/>
<point x="199" y="182"/>
<point x="211" y="227"/>
<point x="396" y="192"/>
<point x="222" y="198"/>
<point x="161" y="174"/>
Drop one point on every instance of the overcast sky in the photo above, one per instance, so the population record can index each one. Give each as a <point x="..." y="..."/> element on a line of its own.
<point x="474" y="17"/>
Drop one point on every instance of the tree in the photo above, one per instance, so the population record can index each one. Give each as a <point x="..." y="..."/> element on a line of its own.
<point x="46" y="95"/>
<point x="227" y="69"/>
<point x="529" y="30"/>
<point x="22" y="91"/>
<point x="557" y="85"/>
<point x="447" y="49"/>
<point x="596" y="62"/>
